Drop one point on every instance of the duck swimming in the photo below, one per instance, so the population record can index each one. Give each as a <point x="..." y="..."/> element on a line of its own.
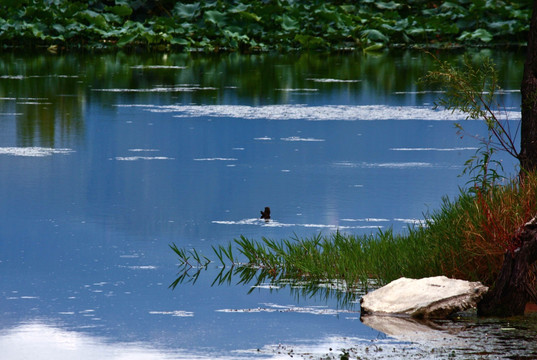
<point x="265" y="214"/>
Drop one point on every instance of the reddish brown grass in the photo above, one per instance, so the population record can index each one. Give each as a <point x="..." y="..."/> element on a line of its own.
<point x="494" y="225"/>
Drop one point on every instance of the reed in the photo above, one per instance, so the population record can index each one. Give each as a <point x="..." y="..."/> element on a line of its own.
<point x="465" y="238"/>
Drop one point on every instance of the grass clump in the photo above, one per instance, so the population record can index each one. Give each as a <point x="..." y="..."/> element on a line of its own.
<point x="465" y="238"/>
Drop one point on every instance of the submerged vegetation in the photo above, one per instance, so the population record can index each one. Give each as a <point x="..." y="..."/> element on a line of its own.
<point x="258" y="25"/>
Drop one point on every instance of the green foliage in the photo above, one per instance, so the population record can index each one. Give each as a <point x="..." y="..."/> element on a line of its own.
<point x="263" y="25"/>
<point x="472" y="89"/>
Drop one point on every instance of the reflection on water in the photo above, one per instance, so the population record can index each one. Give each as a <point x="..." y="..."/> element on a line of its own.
<point x="37" y="340"/>
<point x="462" y="339"/>
<point x="465" y="335"/>
<point x="50" y="94"/>
<point x="108" y="158"/>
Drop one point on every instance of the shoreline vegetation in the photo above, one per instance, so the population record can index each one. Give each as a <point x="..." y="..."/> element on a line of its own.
<point x="465" y="238"/>
<point x="262" y="25"/>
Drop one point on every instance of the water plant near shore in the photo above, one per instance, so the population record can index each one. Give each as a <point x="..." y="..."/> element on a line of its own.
<point x="465" y="238"/>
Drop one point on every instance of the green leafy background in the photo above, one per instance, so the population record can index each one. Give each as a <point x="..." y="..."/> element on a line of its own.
<point x="259" y="25"/>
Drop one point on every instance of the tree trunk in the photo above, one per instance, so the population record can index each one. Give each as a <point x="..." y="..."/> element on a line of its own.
<point x="528" y="132"/>
<point x="516" y="284"/>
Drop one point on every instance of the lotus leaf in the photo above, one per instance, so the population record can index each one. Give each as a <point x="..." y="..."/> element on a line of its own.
<point x="120" y="10"/>
<point x="479" y="34"/>
<point x="186" y="11"/>
<point x="215" y="17"/>
<point x="374" y="35"/>
<point x="281" y="24"/>
<point x="289" y="24"/>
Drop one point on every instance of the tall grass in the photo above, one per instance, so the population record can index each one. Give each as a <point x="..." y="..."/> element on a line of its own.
<point x="497" y="219"/>
<point x="465" y="238"/>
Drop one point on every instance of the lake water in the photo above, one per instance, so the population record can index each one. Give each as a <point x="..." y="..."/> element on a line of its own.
<point x="106" y="159"/>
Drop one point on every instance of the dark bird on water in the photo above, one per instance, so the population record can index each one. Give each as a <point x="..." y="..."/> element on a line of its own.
<point x="265" y="214"/>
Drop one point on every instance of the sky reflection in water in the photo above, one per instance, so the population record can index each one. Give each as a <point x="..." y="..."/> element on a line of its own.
<point x="109" y="159"/>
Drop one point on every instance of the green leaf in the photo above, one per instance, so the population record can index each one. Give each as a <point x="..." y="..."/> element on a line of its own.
<point x="186" y="11"/>
<point x="311" y="42"/>
<point x="235" y="35"/>
<point x="374" y="47"/>
<point x="120" y="10"/>
<point x="59" y="28"/>
<point x="215" y="17"/>
<point x="374" y="35"/>
<point x="112" y="18"/>
<point x="288" y="23"/>
<point x="179" y="41"/>
<point x="250" y="16"/>
<point x="452" y="29"/>
<point x="348" y="8"/>
<point x="239" y="8"/>
<point x="416" y="31"/>
<point x="387" y="5"/>
<point x="12" y="3"/>
<point x="36" y="30"/>
<point x="503" y="26"/>
<point x="452" y="8"/>
<point x="93" y="18"/>
<point x="479" y="34"/>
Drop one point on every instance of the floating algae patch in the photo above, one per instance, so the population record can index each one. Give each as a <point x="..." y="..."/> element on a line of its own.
<point x="33" y="151"/>
<point x="390" y="165"/>
<point x="175" y="313"/>
<point x="328" y="80"/>
<point x="305" y="112"/>
<point x="135" y="158"/>
<point x="297" y="138"/>
<point x="157" y="89"/>
<point x="158" y="67"/>
<point x="435" y="149"/>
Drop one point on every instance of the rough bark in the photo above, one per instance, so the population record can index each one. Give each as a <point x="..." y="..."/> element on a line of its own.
<point x="516" y="284"/>
<point x="528" y="132"/>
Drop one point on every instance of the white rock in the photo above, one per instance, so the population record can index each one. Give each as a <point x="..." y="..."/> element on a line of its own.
<point x="434" y="297"/>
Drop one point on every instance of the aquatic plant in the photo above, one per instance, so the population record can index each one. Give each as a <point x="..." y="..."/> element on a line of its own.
<point x="465" y="238"/>
<point x="261" y="25"/>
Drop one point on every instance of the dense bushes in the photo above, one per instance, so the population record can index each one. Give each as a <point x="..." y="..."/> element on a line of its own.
<point x="262" y="24"/>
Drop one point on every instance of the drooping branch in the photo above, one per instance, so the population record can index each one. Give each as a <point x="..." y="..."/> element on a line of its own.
<point x="472" y="90"/>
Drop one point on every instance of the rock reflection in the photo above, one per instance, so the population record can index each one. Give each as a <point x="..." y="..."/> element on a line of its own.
<point x="412" y="329"/>
<point x="463" y="336"/>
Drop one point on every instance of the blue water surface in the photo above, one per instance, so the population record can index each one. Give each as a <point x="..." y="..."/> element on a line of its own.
<point x="108" y="159"/>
